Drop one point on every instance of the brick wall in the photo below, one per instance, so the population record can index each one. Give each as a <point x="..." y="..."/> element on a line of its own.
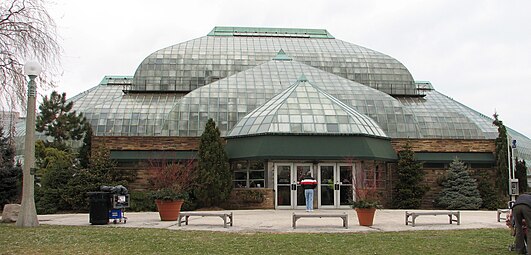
<point x="445" y="145"/>
<point x="156" y="143"/>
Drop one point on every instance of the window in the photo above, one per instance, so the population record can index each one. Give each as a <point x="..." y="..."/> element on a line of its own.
<point x="249" y="174"/>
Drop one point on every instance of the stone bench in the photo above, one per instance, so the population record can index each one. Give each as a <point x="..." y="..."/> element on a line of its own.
<point x="343" y="216"/>
<point x="451" y="214"/>
<point x="223" y="216"/>
<point x="499" y="214"/>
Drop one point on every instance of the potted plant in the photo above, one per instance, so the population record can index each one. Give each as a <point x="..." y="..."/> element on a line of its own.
<point x="170" y="183"/>
<point x="366" y="200"/>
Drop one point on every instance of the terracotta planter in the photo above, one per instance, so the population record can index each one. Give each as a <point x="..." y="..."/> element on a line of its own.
<point x="169" y="209"/>
<point x="365" y="216"/>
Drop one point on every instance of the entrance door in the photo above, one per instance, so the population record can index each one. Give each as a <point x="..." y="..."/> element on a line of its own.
<point x="335" y="185"/>
<point x="290" y="195"/>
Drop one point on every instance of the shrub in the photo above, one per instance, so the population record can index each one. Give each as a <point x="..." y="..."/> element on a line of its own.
<point x="459" y="190"/>
<point x="214" y="179"/>
<point x="408" y="191"/>
<point x="142" y="201"/>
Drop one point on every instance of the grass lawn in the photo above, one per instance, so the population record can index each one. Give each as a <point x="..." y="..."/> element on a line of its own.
<point x="47" y="239"/>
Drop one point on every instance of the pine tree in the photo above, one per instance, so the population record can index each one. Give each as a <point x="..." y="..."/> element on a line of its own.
<point x="521" y="175"/>
<point x="9" y="172"/>
<point x="408" y="191"/>
<point x="488" y="193"/>
<point x="459" y="191"/>
<point x="214" y="178"/>
<point x="56" y="120"/>
<point x="84" y="151"/>
<point x="501" y="158"/>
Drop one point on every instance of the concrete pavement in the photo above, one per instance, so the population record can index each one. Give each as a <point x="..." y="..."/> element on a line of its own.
<point x="280" y="221"/>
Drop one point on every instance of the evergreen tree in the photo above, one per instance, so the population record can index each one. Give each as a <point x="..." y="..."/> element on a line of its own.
<point x="9" y="173"/>
<point x="56" y="119"/>
<point x="214" y="178"/>
<point x="501" y="158"/>
<point x="459" y="191"/>
<point x="488" y="193"/>
<point x="101" y="171"/>
<point x="521" y="175"/>
<point x="56" y="169"/>
<point x="408" y="191"/>
<point x="84" y="151"/>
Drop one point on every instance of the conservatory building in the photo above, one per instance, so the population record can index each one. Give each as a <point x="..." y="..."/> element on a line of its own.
<point x="288" y="102"/>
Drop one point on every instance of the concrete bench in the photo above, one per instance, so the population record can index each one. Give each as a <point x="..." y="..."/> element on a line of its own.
<point x="343" y="216"/>
<point x="500" y="212"/>
<point x="223" y="216"/>
<point x="451" y="214"/>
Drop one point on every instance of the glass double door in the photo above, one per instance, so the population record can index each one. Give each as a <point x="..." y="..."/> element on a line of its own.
<point x="290" y="194"/>
<point x="335" y="187"/>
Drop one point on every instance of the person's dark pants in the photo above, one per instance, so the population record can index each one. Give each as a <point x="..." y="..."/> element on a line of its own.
<point x="521" y="212"/>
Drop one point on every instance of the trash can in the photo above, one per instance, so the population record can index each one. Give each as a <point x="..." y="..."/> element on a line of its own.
<point x="99" y="205"/>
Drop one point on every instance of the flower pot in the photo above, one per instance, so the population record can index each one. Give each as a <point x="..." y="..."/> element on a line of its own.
<point x="169" y="209"/>
<point x="365" y="216"/>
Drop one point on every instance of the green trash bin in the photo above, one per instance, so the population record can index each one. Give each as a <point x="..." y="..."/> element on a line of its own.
<point x="99" y="206"/>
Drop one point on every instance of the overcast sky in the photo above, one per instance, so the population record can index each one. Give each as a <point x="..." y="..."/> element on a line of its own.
<point x="477" y="52"/>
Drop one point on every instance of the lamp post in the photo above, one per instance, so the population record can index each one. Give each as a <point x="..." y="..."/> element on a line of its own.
<point x="28" y="213"/>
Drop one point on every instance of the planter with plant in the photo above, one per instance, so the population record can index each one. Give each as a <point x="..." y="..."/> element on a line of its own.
<point x="170" y="184"/>
<point x="366" y="199"/>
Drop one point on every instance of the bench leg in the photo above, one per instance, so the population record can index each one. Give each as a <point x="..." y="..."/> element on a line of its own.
<point x="458" y="218"/>
<point x="345" y="221"/>
<point x="224" y="217"/>
<point x="231" y="219"/>
<point x="179" y="220"/>
<point x="413" y="217"/>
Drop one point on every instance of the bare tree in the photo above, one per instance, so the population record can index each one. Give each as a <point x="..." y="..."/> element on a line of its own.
<point x="27" y="32"/>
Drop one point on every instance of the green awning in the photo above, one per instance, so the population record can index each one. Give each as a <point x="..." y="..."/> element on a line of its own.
<point x="468" y="157"/>
<point x="141" y="155"/>
<point x="316" y="147"/>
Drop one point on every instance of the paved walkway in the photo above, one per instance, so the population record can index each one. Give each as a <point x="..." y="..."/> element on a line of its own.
<point x="280" y="221"/>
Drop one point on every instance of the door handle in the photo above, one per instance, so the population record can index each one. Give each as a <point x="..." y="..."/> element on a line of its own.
<point x="336" y="186"/>
<point x="293" y="186"/>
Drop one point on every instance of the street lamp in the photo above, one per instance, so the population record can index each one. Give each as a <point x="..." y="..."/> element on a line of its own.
<point x="28" y="214"/>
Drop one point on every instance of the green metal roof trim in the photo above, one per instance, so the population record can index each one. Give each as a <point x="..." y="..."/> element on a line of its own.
<point x="139" y="155"/>
<point x="318" y="147"/>
<point x="468" y="157"/>
<point x="271" y="32"/>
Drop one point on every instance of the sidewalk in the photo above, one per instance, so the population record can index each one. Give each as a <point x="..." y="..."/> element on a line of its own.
<point x="280" y="221"/>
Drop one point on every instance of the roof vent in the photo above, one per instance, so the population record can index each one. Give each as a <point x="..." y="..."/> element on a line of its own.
<point x="282" y="56"/>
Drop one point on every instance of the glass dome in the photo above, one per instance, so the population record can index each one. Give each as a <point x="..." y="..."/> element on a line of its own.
<point x="229" y="100"/>
<point x="225" y="52"/>
<point x="304" y="108"/>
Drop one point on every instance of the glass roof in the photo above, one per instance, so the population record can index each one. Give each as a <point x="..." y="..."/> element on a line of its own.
<point x="439" y="116"/>
<point x="304" y="108"/>
<point x="195" y="63"/>
<point x="229" y="100"/>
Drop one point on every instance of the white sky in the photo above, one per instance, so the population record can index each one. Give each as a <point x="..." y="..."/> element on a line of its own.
<point x="477" y="52"/>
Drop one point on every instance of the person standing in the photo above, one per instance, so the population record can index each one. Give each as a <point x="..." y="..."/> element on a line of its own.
<point x="308" y="183"/>
<point x="522" y="211"/>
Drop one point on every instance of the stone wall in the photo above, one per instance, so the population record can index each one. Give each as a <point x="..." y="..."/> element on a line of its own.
<point x="445" y="145"/>
<point x="145" y="143"/>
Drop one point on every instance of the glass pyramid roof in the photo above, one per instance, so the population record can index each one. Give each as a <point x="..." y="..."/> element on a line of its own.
<point x="291" y="112"/>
